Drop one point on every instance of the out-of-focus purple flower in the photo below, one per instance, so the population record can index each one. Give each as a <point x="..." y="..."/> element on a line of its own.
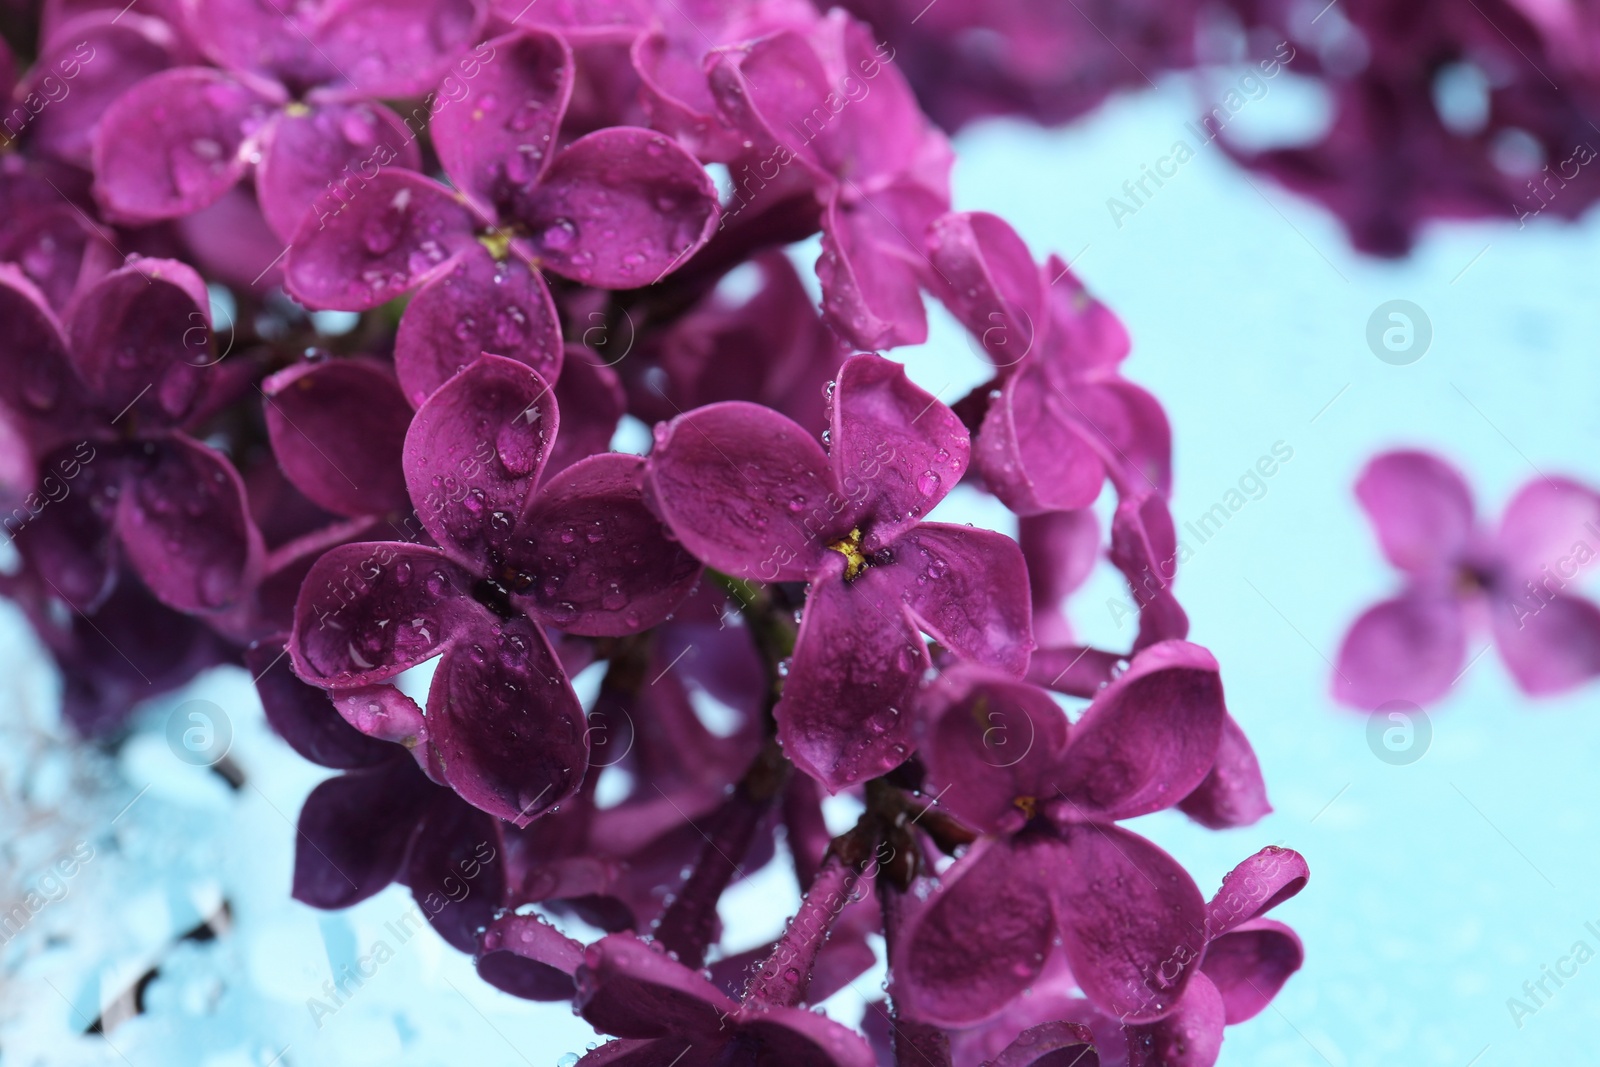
<point x="1461" y="578"/>
<point x="579" y="552"/>
<point x="751" y="493"/>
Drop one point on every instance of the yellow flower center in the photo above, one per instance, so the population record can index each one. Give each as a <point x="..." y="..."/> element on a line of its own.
<point x="498" y="243"/>
<point x="850" y="549"/>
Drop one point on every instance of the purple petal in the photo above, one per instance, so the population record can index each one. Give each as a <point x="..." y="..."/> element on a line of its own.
<point x="1420" y="507"/>
<point x="1249" y="965"/>
<point x="186" y="528"/>
<point x="37" y="379"/>
<point x="353" y="833"/>
<point x="1255" y="887"/>
<point x="747" y="491"/>
<point x="1061" y="548"/>
<point x="103" y="57"/>
<point x="1549" y="645"/>
<point x="983" y="938"/>
<point x="989" y="281"/>
<point x="1144" y="547"/>
<point x="391" y="236"/>
<point x="456" y="870"/>
<point x="796" y="1037"/>
<point x="499" y="139"/>
<point x="366" y="612"/>
<point x="598" y="562"/>
<point x="620" y="208"/>
<point x="527" y="957"/>
<point x="318" y="157"/>
<point x="895" y="447"/>
<point x="474" y="454"/>
<point x="1190" y="1037"/>
<point x="382" y="712"/>
<point x="845" y="715"/>
<point x="1033" y="453"/>
<point x="1149" y="738"/>
<point x="479" y="305"/>
<point x="1053" y="1044"/>
<point x="1542" y="528"/>
<point x="590" y="394"/>
<point x="337" y="430"/>
<point x="1410" y="648"/>
<point x="175" y="143"/>
<point x="665" y="1052"/>
<point x="141" y="340"/>
<point x="1233" y="793"/>
<point x="968" y="589"/>
<point x="630" y="989"/>
<point x="1132" y="951"/>
<point x="70" y="543"/>
<point x="993" y="746"/>
<point x="506" y="725"/>
<point x="395" y="47"/>
<point x="871" y="268"/>
<point x="303" y="715"/>
<point x="1085" y="338"/>
<point x="1131" y="424"/>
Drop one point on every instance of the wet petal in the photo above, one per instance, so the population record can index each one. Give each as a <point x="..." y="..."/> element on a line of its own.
<point x="1190" y="1037"/>
<point x="1549" y="645"/>
<point x="366" y="612"/>
<point x="596" y="560"/>
<point x="1061" y="548"/>
<point x="895" y="447"/>
<point x="845" y="715"/>
<point x="186" y="528"/>
<point x="1233" y="793"/>
<point x="589" y="394"/>
<point x="128" y="49"/>
<point x="1149" y="738"/>
<point x="474" y="454"/>
<point x="392" y="236"/>
<point x="353" y="833"/>
<point x="382" y="712"/>
<point x="801" y="1038"/>
<point x="479" y="305"/>
<point x="747" y="491"/>
<point x="390" y="48"/>
<point x="507" y="727"/>
<point x="141" y="340"/>
<point x="1420" y="507"/>
<point x="174" y="143"/>
<point x="1256" y="886"/>
<point x="987" y="278"/>
<point x="37" y="379"/>
<point x="983" y="938"/>
<point x="968" y="589"/>
<point x="1410" y="648"/>
<point x="456" y="869"/>
<point x="620" y="208"/>
<point x="1033" y="455"/>
<point x="1054" y="1044"/>
<point x="1144" y="547"/>
<point x="1132" y="950"/>
<point x="527" y="957"/>
<point x="630" y="989"/>
<point x="872" y="266"/>
<point x="499" y="138"/>
<point x="304" y="716"/>
<point x="1250" y="965"/>
<point x="320" y="158"/>
<point x="337" y="430"/>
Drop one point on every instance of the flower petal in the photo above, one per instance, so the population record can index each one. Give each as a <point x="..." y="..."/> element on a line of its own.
<point x="1410" y="648"/>
<point x="747" y="491"/>
<point x="353" y="833"/>
<point x="590" y="395"/>
<point x="1543" y="527"/>
<point x="186" y="528"/>
<point x="598" y="562"/>
<point x="141" y="339"/>
<point x="304" y="716"/>
<point x="507" y="727"/>
<point x="620" y="208"/>
<point x="474" y="454"/>
<point x="968" y="589"/>
<point x="338" y="430"/>
<point x="1149" y="738"/>
<point x="872" y="266"/>
<point x="1054" y="1044"/>
<point x="37" y="379"/>
<point x="1061" y="548"/>
<point x="895" y="447"/>
<point x="1189" y="1037"/>
<point x="390" y="48"/>
<point x="129" y="49"/>
<point x="498" y="139"/>
<point x="1249" y="965"/>
<point x="390" y="237"/>
<point x="1144" y="547"/>
<point x="1233" y="793"/>
<point x="1549" y="646"/>
<point x="527" y="957"/>
<point x="1256" y="886"/>
<point x="366" y="612"/>
<point x="317" y="153"/>
<point x="174" y="143"/>
<point x="631" y="989"/>
<point x="1131" y="951"/>
<point x="986" y="276"/>
<point x="1032" y="453"/>
<point x="845" y="714"/>
<point x="983" y="938"/>
<point x="1420" y="507"/>
<point x="796" y="1037"/>
<point x="479" y="305"/>
<point x="455" y="869"/>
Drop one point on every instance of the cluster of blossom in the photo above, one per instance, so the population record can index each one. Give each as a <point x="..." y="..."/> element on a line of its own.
<point x="397" y="455"/>
<point x="1439" y="110"/>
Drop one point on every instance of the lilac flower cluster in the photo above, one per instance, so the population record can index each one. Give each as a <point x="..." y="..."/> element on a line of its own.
<point x="429" y="220"/>
<point x="1439" y="110"/>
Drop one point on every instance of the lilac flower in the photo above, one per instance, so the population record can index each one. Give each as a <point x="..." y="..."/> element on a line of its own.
<point x="1002" y="759"/>
<point x="106" y="394"/>
<point x="295" y="96"/>
<point x="579" y="551"/>
<point x="1461" y="578"/>
<point x="750" y="493"/>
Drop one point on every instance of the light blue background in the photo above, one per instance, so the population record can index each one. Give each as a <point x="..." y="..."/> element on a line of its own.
<point x="1437" y="888"/>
